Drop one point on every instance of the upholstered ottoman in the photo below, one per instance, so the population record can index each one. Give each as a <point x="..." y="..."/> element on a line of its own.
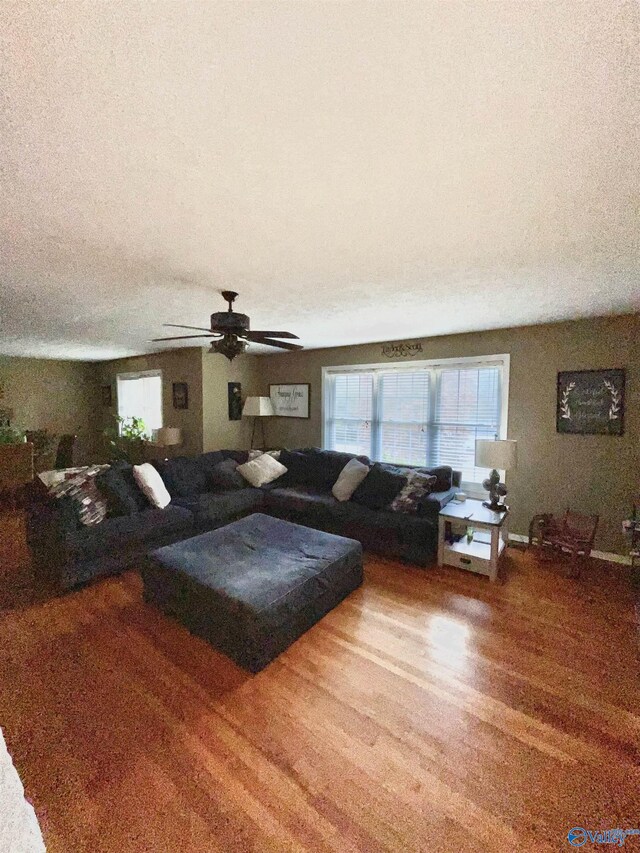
<point x="253" y="587"/>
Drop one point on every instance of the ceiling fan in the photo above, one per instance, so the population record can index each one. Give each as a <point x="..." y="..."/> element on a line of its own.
<point x="232" y="332"/>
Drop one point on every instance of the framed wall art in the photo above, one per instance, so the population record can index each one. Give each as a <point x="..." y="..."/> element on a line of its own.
<point x="290" y="401"/>
<point x="590" y="402"/>
<point x="234" y="391"/>
<point x="180" y="395"/>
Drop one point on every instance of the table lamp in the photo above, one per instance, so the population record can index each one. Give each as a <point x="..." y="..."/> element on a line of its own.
<point x="499" y="454"/>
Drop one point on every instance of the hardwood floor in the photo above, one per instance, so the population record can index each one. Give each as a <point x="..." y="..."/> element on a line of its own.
<point x="431" y="711"/>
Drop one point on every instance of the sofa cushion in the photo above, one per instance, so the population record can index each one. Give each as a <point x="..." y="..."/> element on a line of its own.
<point x="324" y="466"/>
<point x="138" y="531"/>
<point x="183" y="475"/>
<point x="215" y="508"/>
<point x="297" y="499"/>
<point x="224" y="477"/>
<point x="299" y="472"/>
<point x="120" y="489"/>
<point x="381" y="485"/>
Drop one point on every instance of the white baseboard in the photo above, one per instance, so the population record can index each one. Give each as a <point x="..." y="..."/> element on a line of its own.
<point x="609" y="556"/>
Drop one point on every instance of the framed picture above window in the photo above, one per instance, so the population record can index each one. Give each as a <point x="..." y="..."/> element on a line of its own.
<point x="591" y="402"/>
<point x="290" y="401"/>
<point x="180" y="395"/>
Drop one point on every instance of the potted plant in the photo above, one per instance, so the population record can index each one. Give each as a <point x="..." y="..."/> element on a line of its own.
<point x="126" y="439"/>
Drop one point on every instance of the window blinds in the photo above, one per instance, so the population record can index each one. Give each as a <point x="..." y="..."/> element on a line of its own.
<point x="141" y="397"/>
<point x="430" y="415"/>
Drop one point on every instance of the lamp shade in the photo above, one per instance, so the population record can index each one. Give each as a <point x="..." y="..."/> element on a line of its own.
<point x="502" y="454"/>
<point x="258" y="407"/>
<point x="168" y="436"/>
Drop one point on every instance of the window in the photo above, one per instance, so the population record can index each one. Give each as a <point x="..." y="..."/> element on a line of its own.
<point x="140" y="396"/>
<point x="423" y="413"/>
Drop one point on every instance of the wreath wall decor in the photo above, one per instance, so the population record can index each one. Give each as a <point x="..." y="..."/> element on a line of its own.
<point x="591" y="402"/>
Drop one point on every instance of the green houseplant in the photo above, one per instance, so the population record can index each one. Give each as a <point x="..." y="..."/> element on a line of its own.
<point x="125" y="440"/>
<point x="11" y="435"/>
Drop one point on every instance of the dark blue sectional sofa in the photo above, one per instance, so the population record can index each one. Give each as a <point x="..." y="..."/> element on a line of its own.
<point x="67" y="554"/>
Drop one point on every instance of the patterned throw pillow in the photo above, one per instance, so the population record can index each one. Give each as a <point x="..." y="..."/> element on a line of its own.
<point x="418" y="486"/>
<point x="80" y="486"/>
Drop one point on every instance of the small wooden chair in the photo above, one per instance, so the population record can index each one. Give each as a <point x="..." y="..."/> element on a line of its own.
<point x="572" y="535"/>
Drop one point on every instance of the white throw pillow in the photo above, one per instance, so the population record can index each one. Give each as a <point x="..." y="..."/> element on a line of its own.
<point x="151" y="485"/>
<point x="349" y="479"/>
<point x="262" y="470"/>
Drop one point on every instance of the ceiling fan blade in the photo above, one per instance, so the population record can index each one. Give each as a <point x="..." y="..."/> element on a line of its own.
<point x="177" y="326"/>
<point x="262" y="334"/>
<point x="182" y="338"/>
<point x="280" y="344"/>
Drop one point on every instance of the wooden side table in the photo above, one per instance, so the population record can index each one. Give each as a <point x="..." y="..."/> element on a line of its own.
<point x="490" y="537"/>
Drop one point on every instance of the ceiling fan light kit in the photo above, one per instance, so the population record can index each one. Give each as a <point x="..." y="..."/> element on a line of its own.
<point x="233" y="332"/>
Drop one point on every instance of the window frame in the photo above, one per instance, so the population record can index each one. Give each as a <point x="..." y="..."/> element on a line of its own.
<point x="501" y="360"/>
<point x="141" y="374"/>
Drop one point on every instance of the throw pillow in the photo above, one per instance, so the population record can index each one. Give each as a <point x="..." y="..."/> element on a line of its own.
<point x="418" y="487"/>
<point x="119" y="488"/>
<point x="442" y="473"/>
<point x="349" y="479"/>
<point x="380" y="486"/>
<point x="265" y="469"/>
<point x="150" y="482"/>
<point x="88" y="504"/>
<point x="224" y="477"/>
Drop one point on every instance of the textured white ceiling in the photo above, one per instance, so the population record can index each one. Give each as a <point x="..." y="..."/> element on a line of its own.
<point x="358" y="171"/>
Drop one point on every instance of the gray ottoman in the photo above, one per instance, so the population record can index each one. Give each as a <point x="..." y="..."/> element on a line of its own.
<point x="253" y="587"/>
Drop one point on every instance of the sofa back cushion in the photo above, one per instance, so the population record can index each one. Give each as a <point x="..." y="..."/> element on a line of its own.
<point x="316" y="468"/>
<point x="224" y="477"/>
<point x="382" y="484"/>
<point x="184" y="476"/>
<point x="121" y="491"/>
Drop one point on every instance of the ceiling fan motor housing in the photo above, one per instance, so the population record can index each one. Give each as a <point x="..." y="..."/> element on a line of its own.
<point x="229" y="321"/>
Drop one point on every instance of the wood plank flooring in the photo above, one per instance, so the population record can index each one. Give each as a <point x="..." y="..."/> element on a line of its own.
<point x="431" y="711"/>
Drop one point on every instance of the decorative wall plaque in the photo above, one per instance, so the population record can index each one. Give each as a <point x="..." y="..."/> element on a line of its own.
<point x="403" y="350"/>
<point x="591" y="402"/>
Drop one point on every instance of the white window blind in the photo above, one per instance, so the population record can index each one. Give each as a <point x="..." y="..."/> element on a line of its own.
<point x="404" y="417"/>
<point x="140" y="396"/>
<point x="468" y="407"/>
<point x="422" y="414"/>
<point x="349" y="423"/>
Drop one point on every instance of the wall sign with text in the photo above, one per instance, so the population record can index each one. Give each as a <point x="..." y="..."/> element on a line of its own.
<point x="290" y="401"/>
<point x="591" y="402"/>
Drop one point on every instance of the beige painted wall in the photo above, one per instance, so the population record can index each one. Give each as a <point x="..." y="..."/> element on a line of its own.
<point x="56" y="395"/>
<point x="178" y="365"/>
<point x="218" y="431"/>
<point x="588" y="473"/>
